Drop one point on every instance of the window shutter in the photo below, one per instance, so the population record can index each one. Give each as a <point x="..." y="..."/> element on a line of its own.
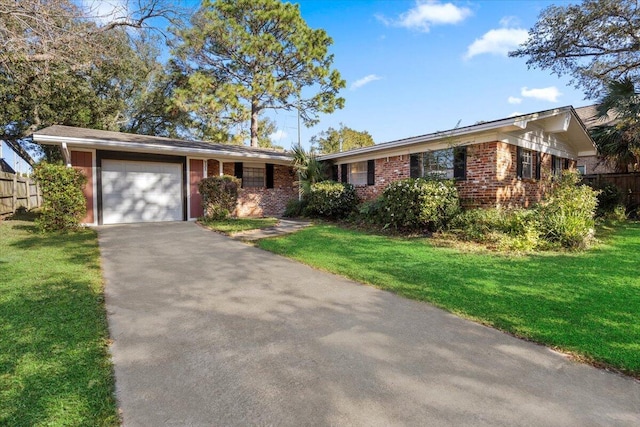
<point x="566" y="163"/>
<point x="538" y="166"/>
<point x="334" y="172"/>
<point x="237" y="171"/>
<point x="519" y="162"/>
<point x="371" y="172"/>
<point x="343" y="173"/>
<point x="460" y="163"/>
<point x="269" y="174"/>
<point x="553" y="165"/>
<point x="414" y="166"/>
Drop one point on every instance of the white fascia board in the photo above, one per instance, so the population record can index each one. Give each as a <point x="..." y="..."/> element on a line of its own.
<point x="155" y="149"/>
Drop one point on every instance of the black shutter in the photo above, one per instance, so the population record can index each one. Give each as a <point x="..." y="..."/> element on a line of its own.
<point x="371" y="172"/>
<point x="237" y="170"/>
<point x="519" y="162"/>
<point x="414" y="166"/>
<point x="538" y="166"/>
<point x="334" y="172"/>
<point x="343" y="173"/>
<point x="460" y="163"/>
<point x="553" y="165"/>
<point x="269" y="174"/>
<point x="566" y="163"/>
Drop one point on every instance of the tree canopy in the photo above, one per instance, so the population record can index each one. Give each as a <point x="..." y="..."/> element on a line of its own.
<point x="242" y="57"/>
<point x="341" y="139"/>
<point x="594" y="42"/>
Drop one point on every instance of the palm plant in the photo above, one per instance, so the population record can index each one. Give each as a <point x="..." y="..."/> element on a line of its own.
<point x="309" y="169"/>
<point x="619" y="142"/>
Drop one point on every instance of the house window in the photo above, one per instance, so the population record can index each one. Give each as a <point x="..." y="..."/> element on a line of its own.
<point x="582" y="169"/>
<point x="556" y="166"/>
<point x="253" y="177"/>
<point x="358" y="173"/>
<point x="449" y="163"/>
<point x="525" y="166"/>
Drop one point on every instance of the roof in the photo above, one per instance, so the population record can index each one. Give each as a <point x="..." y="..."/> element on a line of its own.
<point x="5" y="167"/>
<point x="589" y="116"/>
<point x="108" y="140"/>
<point x="564" y="119"/>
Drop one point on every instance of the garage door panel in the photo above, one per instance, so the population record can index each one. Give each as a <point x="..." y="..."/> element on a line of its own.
<point x="135" y="191"/>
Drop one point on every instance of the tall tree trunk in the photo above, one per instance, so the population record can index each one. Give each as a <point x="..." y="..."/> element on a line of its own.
<point x="255" y="112"/>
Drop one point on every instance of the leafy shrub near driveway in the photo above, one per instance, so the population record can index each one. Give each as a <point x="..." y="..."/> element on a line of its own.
<point x="330" y="199"/>
<point x="64" y="205"/>
<point x="568" y="211"/>
<point x="219" y="195"/>
<point x="419" y="204"/>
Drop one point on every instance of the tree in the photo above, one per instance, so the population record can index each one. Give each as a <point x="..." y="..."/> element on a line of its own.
<point x="342" y="139"/>
<point x="594" y="42"/>
<point x="60" y="66"/>
<point x="619" y="143"/>
<point x="309" y="169"/>
<point x="242" y="57"/>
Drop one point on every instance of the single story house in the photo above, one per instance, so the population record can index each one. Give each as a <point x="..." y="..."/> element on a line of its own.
<point x="138" y="178"/>
<point x="498" y="163"/>
<point x="135" y="178"/>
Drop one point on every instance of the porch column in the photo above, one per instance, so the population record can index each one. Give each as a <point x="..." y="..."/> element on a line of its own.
<point x="220" y="164"/>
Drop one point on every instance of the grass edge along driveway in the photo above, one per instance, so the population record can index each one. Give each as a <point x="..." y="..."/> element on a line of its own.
<point x="54" y="363"/>
<point x="586" y="304"/>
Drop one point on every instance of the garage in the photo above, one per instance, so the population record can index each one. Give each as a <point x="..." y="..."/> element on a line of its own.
<point x="141" y="191"/>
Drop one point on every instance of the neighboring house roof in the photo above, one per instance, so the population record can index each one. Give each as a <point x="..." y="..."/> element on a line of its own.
<point x="589" y="116"/>
<point x="119" y="141"/>
<point x="564" y="135"/>
<point x="5" y="167"/>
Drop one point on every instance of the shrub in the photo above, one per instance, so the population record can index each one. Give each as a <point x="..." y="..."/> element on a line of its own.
<point x="567" y="213"/>
<point x="610" y="198"/>
<point x="330" y="199"/>
<point x="219" y="195"/>
<point x="295" y="208"/>
<point x="63" y="205"/>
<point x="413" y="204"/>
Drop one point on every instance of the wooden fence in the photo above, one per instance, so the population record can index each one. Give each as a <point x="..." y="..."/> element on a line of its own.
<point x="16" y="192"/>
<point x="628" y="183"/>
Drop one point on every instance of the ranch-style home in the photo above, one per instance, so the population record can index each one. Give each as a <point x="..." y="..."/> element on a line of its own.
<point x="135" y="178"/>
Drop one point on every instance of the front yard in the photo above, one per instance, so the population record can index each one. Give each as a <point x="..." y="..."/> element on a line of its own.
<point x="54" y="364"/>
<point x="586" y="304"/>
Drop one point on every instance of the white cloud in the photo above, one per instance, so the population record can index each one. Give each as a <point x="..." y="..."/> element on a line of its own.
<point x="550" y="93"/>
<point x="497" y="42"/>
<point x="105" y="11"/>
<point x="365" y="80"/>
<point x="278" y="135"/>
<point x="514" y="100"/>
<point x="427" y="13"/>
<point x="515" y="114"/>
<point x="510" y="22"/>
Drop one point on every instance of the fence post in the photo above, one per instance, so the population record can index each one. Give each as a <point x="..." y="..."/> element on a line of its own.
<point x="14" y="199"/>
<point x="28" y="182"/>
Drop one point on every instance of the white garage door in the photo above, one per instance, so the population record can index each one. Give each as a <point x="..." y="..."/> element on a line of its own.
<point x="135" y="191"/>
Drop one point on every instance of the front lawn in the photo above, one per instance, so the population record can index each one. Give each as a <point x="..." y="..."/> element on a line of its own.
<point x="237" y="225"/>
<point x="587" y="304"/>
<point x="54" y="364"/>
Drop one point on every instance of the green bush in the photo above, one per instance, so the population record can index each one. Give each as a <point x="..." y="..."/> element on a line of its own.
<point x="419" y="204"/>
<point x="610" y="198"/>
<point x="219" y="196"/>
<point x="330" y="199"/>
<point x="63" y="205"/>
<point x="567" y="214"/>
<point x="295" y="208"/>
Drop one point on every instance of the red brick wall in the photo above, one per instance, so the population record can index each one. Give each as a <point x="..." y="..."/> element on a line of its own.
<point x="388" y="169"/>
<point x="268" y="201"/>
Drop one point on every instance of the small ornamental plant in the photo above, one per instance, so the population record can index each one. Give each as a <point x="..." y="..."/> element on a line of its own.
<point x="330" y="199"/>
<point x="219" y="196"/>
<point x="63" y="205"/>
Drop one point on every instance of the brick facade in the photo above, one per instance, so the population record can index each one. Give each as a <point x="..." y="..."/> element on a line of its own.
<point x="491" y="177"/>
<point x="262" y="201"/>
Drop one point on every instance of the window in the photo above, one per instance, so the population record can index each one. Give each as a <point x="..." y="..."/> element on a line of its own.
<point x="253" y="177"/>
<point x="582" y="169"/>
<point x="525" y="167"/>
<point x="449" y="163"/>
<point x="358" y="173"/>
<point x="556" y="166"/>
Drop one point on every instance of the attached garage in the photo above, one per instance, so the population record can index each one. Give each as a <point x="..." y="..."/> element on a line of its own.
<point x="141" y="191"/>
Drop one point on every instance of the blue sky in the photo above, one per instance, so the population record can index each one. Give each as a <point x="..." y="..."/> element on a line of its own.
<point x="419" y="66"/>
<point x="415" y="67"/>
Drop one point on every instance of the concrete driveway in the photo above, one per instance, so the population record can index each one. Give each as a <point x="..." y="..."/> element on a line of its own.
<point x="212" y="332"/>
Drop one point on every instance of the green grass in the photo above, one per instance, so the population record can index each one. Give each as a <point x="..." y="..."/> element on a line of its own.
<point x="587" y="304"/>
<point x="236" y="225"/>
<point x="54" y="364"/>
